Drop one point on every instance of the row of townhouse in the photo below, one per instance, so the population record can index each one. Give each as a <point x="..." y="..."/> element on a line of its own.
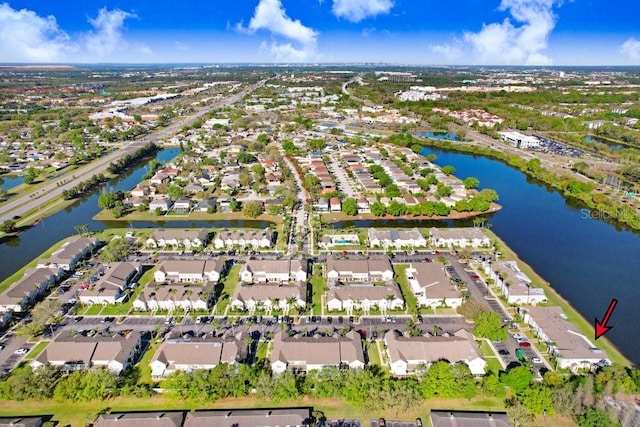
<point x="265" y="417"/>
<point x="70" y="253"/>
<point x="173" y="296"/>
<point x="470" y="237"/>
<point x="190" y="354"/>
<point x="190" y="271"/>
<point x="269" y="296"/>
<point x="365" y="296"/>
<point x="431" y="285"/>
<point x="28" y="289"/>
<point x="373" y="269"/>
<point x="397" y="239"/>
<point x="513" y="283"/>
<point x="115" y="352"/>
<point x="257" y="239"/>
<point x="110" y="288"/>
<point x="274" y="270"/>
<point x="406" y="355"/>
<point x="190" y="239"/>
<point x="298" y="353"/>
<point x="571" y="348"/>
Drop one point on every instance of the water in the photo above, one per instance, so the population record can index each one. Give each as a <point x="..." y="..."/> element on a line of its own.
<point x="8" y="182"/>
<point x="588" y="261"/>
<point x="449" y="136"/>
<point x="612" y="145"/>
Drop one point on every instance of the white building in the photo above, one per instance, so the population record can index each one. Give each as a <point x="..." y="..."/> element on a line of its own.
<point x="198" y="353"/>
<point x="359" y="270"/>
<point x="459" y="238"/>
<point x="396" y="238"/>
<point x="520" y="140"/>
<point x="365" y="296"/>
<point x="171" y="297"/>
<point x="256" y="239"/>
<point x="333" y="240"/>
<point x="175" y="238"/>
<point x="190" y="271"/>
<point x="406" y="354"/>
<point x="308" y="353"/>
<point x="572" y="349"/>
<point x="274" y="271"/>
<point x="514" y="284"/>
<point x="431" y="285"/>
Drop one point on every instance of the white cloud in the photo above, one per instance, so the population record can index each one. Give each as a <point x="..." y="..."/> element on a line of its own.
<point x="271" y="16"/>
<point x="450" y="51"/>
<point x="181" y="46"/>
<point x="357" y="10"/>
<point x="506" y="43"/>
<point x="107" y="37"/>
<point x="631" y="48"/>
<point x="27" y="37"/>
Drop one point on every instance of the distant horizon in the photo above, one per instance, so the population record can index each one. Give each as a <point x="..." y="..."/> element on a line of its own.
<point x="438" y="32"/>
<point x="310" y="64"/>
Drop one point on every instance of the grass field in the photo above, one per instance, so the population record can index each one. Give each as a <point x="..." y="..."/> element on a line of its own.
<point x="230" y="282"/>
<point x="319" y="287"/>
<point x="401" y="278"/>
<point x="39" y="348"/>
<point x="555" y="299"/>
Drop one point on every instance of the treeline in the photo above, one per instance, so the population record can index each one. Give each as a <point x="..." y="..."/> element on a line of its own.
<point x="47" y="382"/>
<point x="122" y="163"/>
<point x="83" y="187"/>
<point x="582" y="398"/>
<point x="569" y="187"/>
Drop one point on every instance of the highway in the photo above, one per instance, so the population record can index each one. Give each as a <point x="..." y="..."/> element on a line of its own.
<point x="23" y="204"/>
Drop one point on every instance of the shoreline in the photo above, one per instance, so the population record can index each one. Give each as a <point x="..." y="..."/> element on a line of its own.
<point x="555" y="299"/>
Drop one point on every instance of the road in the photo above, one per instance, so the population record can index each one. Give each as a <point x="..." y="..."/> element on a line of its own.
<point x="21" y="205"/>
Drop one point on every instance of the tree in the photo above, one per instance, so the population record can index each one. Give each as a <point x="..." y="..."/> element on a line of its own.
<point x="4" y="194"/>
<point x="489" y="325"/>
<point x="444" y="191"/>
<point x="448" y="170"/>
<point x="349" y="207"/>
<point x="116" y="250"/>
<point x="252" y="209"/>
<point x="471" y="309"/>
<point x="537" y="399"/>
<point x="378" y="209"/>
<point x="234" y="205"/>
<point x="594" y="417"/>
<point x="107" y="200"/>
<point x="471" y="182"/>
<point x="518" y="379"/>
<point x="8" y="226"/>
<point x="81" y="229"/>
<point x="518" y="413"/>
<point x="175" y="192"/>
<point x="440" y="381"/>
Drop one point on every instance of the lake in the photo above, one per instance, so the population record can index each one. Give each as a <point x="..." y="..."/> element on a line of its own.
<point x="588" y="261"/>
<point x="449" y="136"/>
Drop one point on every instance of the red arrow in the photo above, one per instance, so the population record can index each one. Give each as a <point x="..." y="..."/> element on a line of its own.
<point x="601" y="327"/>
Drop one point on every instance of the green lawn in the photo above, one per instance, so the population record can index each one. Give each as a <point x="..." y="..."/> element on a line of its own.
<point x="35" y="351"/>
<point x="261" y="352"/>
<point x="319" y="287"/>
<point x="485" y="348"/>
<point x="374" y="354"/>
<point x="94" y="310"/>
<point x="405" y="288"/>
<point x="230" y="281"/>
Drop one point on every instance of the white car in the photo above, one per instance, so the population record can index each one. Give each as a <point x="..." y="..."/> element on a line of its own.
<point x="517" y="336"/>
<point x="21" y="351"/>
<point x="536" y="360"/>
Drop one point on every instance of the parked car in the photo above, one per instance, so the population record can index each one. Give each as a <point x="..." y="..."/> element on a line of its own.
<point x="536" y="360"/>
<point x="418" y="422"/>
<point x="525" y="344"/>
<point x="503" y="352"/>
<point x="517" y="336"/>
<point x="382" y="422"/>
<point x="21" y="351"/>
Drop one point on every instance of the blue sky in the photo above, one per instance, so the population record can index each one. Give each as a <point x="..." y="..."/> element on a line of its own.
<point x="512" y="32"/>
